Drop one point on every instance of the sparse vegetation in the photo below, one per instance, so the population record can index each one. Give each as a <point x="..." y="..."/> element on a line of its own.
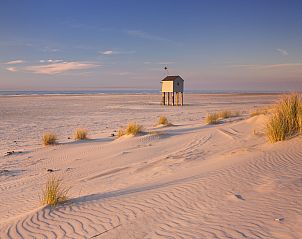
<point x="300" y="118"/>
<point x="213" y="118"/>
<point x="49" y="139"/>
<point x="228" y="114"/>
<point x="80" y="134"/>
<point x="132" y="129"/>
<point x="120" y="133"/>
<point x="286" y="119"/>
<point x="54" y="192"/>
<point x="259" y="111"/>
<point x="163" y="120"/>
<point x="224" y="114"/>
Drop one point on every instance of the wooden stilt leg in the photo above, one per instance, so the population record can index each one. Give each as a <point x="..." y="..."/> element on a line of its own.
<point x="182" y="98"/>
<point x="163" y="98"/>
<point x="173" y="98"/>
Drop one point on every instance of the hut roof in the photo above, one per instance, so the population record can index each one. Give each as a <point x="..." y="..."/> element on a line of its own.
<point x="171" y="78"/>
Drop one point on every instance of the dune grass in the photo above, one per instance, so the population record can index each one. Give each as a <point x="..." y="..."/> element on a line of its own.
<point x="225" y="114"/>
<point x="54" y="192"/>
<point x="286" y="119"/>
<point x="80" y="134"/>
<point x="131" y="129"/>
<point x="120" y="133"/>
<point x="259" y="111"/>
<point x="214" y="118"/>
<point x="299" y="118"/>
<point x="163" y="120"/>
<point x="49" y="138"/>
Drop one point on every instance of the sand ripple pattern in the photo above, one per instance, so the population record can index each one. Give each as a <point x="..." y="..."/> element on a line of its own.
<point x="201" y="206"/>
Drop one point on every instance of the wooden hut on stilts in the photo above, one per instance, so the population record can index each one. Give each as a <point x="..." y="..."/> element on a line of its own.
<point x="172" y="90"/>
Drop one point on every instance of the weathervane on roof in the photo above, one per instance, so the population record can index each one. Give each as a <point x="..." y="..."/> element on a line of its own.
<point x="166" y="69"/>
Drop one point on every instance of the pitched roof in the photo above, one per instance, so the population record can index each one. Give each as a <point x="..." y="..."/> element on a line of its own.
<point x="170" y="78"/>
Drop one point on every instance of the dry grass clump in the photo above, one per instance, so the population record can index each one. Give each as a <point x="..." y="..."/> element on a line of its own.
<point x="228" y="114"/>
<point x="163" y="120"/>
<point x="212" y="118"/>
<point x="300" y="118"/>
<point x="132" y="129"/>
<point x="49" y="138"/>
<point x="259" y="111"/>
<point x="225" y="114"/>
<point x="80" y="134"/>
<point x="286" y="120"/>
<point x="120" y="133"/>
<point x="54" y="192"/>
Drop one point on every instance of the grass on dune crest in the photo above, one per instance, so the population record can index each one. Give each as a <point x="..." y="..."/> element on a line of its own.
<point x="54" y="192"/>
<point x="49" y="138"/>
<point x="259" y="111"/>
<point x="228" y="114"/>
<point x="163" y="120"/>
<point x="120" y="133"/>
<point x="286" y="119"/>
<point x="214" y="118"/>
<point x="131" y="129"/>
<point x="80" y="134"/>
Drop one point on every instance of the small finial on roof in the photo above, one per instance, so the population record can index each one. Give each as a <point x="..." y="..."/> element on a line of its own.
<point x="166" y="69"/>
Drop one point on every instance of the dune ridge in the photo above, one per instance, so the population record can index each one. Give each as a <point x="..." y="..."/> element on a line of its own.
<point x="189" y="180"/>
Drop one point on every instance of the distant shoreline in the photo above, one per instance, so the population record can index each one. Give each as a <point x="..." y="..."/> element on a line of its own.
<point x="127" y="92"/>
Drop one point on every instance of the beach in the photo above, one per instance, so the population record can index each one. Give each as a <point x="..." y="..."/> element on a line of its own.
<point x="185" y="180"/>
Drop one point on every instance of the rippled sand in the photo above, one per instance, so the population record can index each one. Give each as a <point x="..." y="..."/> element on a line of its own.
<point x="188" y="180"/>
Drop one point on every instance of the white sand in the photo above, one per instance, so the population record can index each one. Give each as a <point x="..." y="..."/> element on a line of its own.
<point x="189" y="180"/>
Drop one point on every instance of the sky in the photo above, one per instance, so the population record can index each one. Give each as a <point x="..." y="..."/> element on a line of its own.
<point x="250" y="45"/>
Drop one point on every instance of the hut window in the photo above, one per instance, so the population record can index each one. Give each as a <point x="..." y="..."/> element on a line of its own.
<point x="178" y="83"/>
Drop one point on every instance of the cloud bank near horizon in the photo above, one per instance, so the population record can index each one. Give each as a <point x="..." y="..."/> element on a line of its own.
<point x="56" y="68"/>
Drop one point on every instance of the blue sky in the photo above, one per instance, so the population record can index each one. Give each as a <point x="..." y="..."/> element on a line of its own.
<point x="213" y="45"/>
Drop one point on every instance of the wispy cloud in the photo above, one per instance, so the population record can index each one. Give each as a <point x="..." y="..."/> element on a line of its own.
<point x="147" y="36"/>
<point x="50" y="49"/>
<point x="109" y="52"/>
<point x="282" y="51"/>
<point x="166" y="62"/>
<point x="56" y="68"/>
<point x="269" y="66"/>
<point x="159" y="63"/>
<point x="125" y="73"/>
<point x="50" y="61"/>
<point x="112" y="52"/>
<point x="11" y="69"/>
<point x="14" y="62"/>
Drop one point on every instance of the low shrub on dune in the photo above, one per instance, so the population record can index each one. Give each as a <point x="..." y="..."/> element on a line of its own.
<point x="54" y="192"/>
<point x="259" y="111"/>
<point x="163" y="120"/>
<point x="49" y="139"/>
<point x="120" y="133"/>
<point x="131" y="129"/>
<point x="225" y="114"/>
<point x="80" y="134"/>
<point x="286" y="119"/>
<point x="212" y="118"/>
<point x="228" y="114"/>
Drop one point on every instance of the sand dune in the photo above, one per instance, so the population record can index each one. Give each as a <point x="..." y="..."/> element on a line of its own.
<point x="188" y="180"/>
